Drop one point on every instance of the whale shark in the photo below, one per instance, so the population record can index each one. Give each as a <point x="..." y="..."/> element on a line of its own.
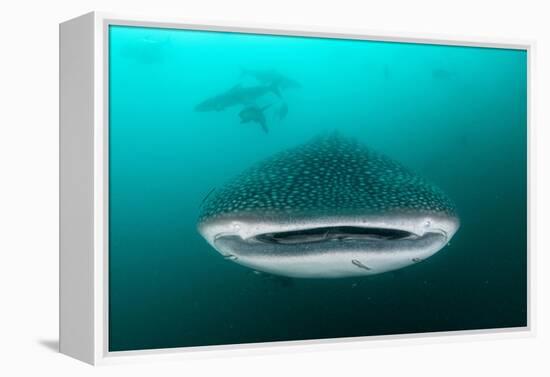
<point x="329" y="208"/>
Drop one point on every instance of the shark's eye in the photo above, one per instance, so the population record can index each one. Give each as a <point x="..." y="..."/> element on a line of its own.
<point x="337" y="233"/>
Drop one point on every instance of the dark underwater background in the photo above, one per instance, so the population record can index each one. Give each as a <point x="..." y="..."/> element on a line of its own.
<point x="455" y="115"/>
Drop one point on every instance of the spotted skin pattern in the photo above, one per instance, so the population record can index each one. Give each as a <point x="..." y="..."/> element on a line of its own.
<point x="329" y="176"/>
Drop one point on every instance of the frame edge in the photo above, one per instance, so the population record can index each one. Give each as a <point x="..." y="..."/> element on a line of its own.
<point x="76" y="195"/>
<point x="99" y="138"/>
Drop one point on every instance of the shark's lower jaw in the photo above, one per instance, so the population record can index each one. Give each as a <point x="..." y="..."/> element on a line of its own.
<point x="325" y="249"/>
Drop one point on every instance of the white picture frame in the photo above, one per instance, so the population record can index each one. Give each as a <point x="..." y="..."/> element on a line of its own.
<point x="84" y="189"/>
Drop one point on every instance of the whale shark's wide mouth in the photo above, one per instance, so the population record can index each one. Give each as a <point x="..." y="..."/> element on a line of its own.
<point x="335" y="233"/>
<point x="333" y="247"/>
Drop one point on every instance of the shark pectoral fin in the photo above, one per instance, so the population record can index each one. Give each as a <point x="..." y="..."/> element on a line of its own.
<point x="264" y="127"/>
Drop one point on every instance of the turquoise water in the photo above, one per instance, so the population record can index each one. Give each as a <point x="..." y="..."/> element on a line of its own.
<point x="455" y="115"/>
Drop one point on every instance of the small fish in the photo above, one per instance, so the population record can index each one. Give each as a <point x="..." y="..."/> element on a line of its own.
<point x="359" y="264"/>
<point x="147" y="50"/>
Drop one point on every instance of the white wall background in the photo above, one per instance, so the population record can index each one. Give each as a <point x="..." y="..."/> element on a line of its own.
<point x="29" y="184"/>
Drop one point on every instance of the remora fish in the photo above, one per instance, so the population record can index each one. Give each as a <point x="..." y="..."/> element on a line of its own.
<point x="327" y="209"/>
<point x="254" y="114"/>
<point x="238" y="95"/>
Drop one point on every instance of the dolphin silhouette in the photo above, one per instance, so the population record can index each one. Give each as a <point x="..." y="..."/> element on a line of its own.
<point x="327" y="209"/>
